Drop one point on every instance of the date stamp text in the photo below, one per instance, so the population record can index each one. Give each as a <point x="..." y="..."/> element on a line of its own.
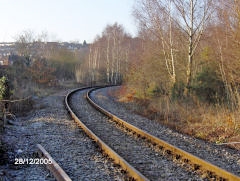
<point x="32" y="161"/>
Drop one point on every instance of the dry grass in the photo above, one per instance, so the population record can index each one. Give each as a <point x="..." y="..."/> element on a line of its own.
<point x="213" y="123"/>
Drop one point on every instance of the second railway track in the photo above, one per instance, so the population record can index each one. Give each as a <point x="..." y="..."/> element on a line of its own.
<point x="138" y="152"/>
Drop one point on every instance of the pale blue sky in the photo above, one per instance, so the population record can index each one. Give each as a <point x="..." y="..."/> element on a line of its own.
<point x="64" y="20"/>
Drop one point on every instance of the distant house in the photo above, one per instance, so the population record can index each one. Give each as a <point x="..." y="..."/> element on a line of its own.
<point x="5" y="52"/>
<point x="4" y="60"/>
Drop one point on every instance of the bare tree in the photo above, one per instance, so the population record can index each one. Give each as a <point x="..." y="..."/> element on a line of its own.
<point x="109" y="54"/>
<point x="23" y="43"/>
<point x="227" y="44"/>
<point x="116" y="52"/>
<point x="165" y="18"/>
<point x="156" y="16"/>
<point x="192" y="18"/>
<point x="93" y="62"/>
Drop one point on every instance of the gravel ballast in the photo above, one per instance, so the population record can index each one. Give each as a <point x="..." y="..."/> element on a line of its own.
<point x="136" y="151"/>
<point x="222" y="156"/>
<point x="51" y="126"/>
<point x="80" y="157"/>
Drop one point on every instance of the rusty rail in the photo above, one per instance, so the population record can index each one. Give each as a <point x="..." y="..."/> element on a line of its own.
<point x="179" y="153"/>
<point x="110" y="152"/>
<point x="55" y="169"/>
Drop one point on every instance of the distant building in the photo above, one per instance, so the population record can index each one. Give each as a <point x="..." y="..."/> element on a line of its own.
<point x="6" y="48"/>
<point x="5" y="61"/>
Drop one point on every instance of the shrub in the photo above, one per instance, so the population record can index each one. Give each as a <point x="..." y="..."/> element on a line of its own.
<point x="4" y="88"/>
<point x="41" y="72"/>
<point x="178" y="90"/>
<point x="209" y="87"/>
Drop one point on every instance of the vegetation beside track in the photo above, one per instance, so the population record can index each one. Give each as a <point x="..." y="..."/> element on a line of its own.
<point x="213" y="123"/>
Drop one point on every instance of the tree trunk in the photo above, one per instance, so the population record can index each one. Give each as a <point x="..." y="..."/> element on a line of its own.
<point x="190" y="49"/>
<point x="108" y="62"/>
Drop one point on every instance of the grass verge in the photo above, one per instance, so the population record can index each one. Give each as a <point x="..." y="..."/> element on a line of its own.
<point x="213" y="123"/>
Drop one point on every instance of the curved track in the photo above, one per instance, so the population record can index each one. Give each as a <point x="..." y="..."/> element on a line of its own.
<point x="134" y="145"/>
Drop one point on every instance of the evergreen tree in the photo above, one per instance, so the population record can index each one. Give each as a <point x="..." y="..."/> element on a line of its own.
<point x="84" y="43"/>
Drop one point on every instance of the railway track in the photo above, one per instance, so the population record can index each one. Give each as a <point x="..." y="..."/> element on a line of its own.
<point x="142" y="155"/>
<point x="55" y="169"/>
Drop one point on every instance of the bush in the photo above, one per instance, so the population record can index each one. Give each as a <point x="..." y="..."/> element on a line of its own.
<point x="209" y="87"/>
<point x="153" y="90"/>
<point x="41" y="72"/>
<point x="178" y="90"/>
<point x="4" y="88"/>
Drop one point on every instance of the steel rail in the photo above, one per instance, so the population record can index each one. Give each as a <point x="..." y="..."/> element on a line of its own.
<point x="134" y="173"/>
<point x="179" y="153"/>
<point x="54" y="168"/>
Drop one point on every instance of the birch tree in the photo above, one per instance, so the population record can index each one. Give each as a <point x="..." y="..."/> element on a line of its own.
<point x="164" y="18"/>
<point x="192" y="17"/>
<point x="93" y="63"/>
<point x="227" y="43"/>
<point x="156" y="16"/>
<point x="109" y="53"/>
<point x="116" y="52"/>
